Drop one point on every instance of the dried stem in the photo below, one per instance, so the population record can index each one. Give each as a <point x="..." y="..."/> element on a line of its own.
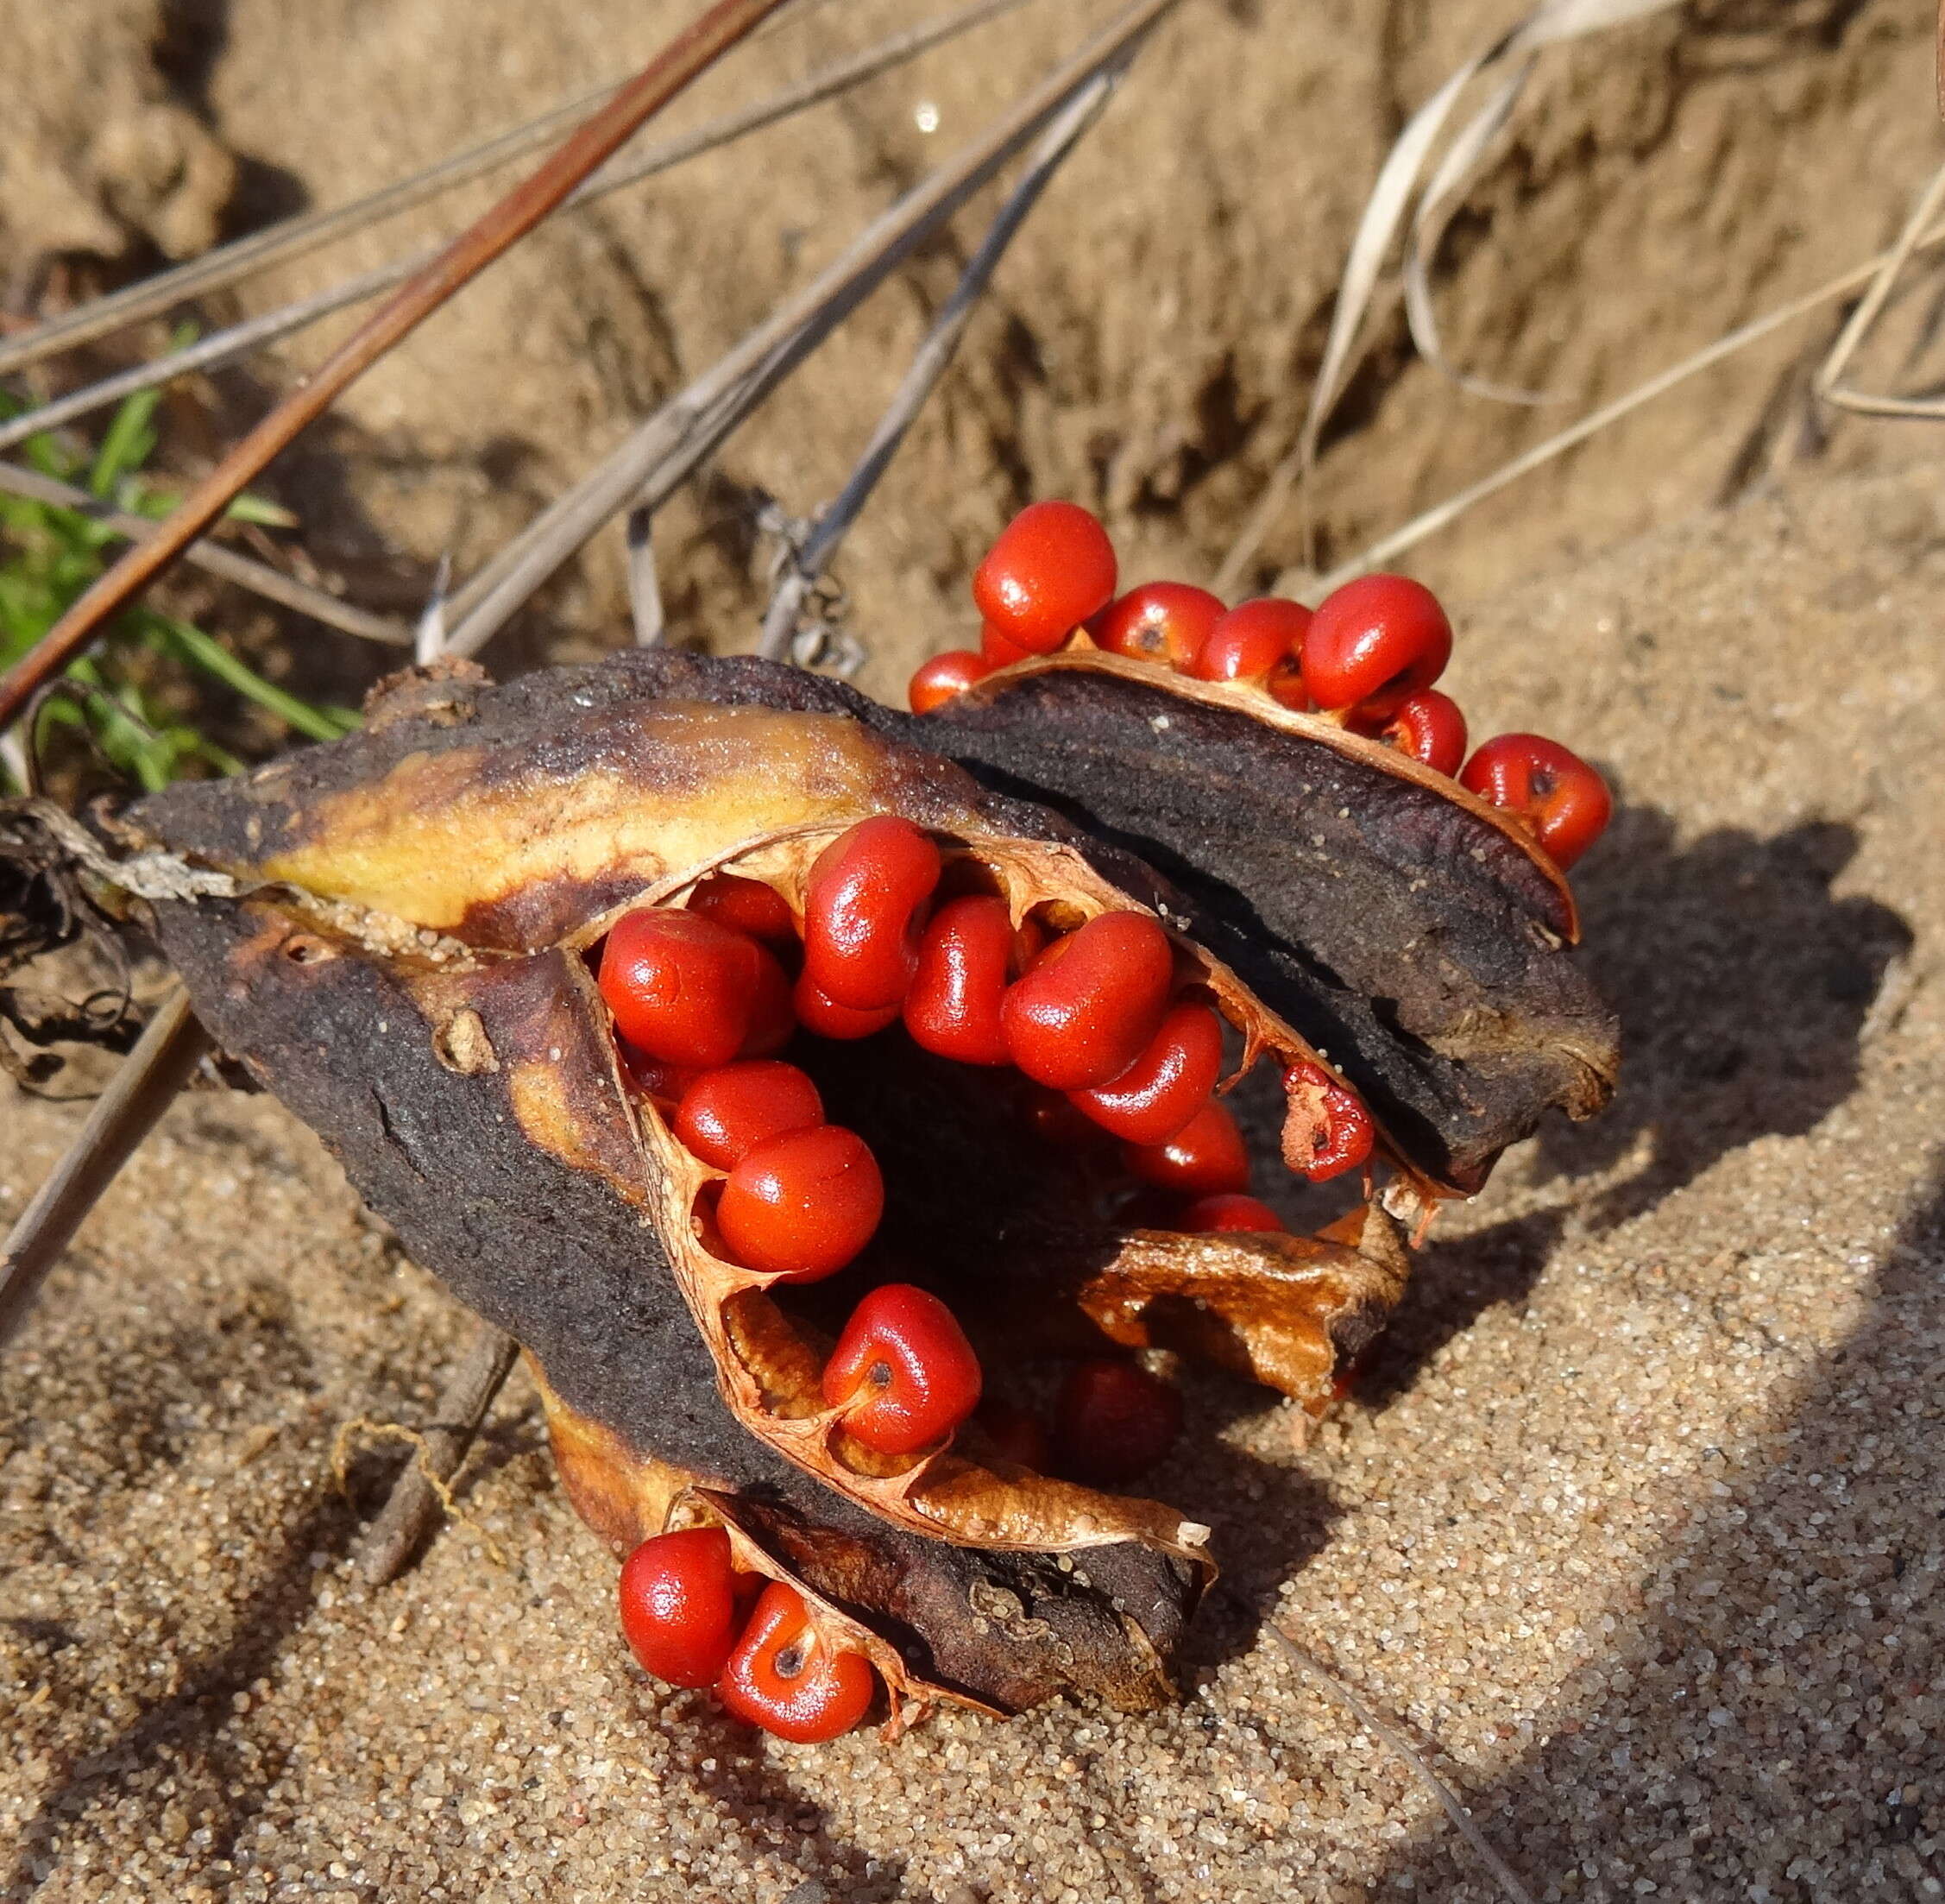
<point x="415" y="1501"/>
<point x="259" y="577"/>
<point x="1827" y="384"/>
<point x="801" y="573"/>
<point x="240" y="340"/>
<point x="658" y="457"/>
<point x="686" y="56"/>
<point x="145" y="1085"/>
<point x="1395" y="1738"/>
<point x="1409" y="534"/>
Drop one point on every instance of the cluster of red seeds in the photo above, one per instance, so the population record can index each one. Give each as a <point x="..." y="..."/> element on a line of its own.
<point x="1119" y="1043"/>
<point x="1366" y="658"/>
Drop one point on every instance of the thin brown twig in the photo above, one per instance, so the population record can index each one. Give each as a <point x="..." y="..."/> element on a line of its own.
<point x="1394" y="1737"/>
<point x="684" y="60"/>
<point x="295" y="238"/>
<point x="144" y="1087"/>
<point x="422" y="1490"/>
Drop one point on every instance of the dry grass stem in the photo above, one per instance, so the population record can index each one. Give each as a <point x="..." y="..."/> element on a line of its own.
<point x="653" y="463"/>
<point x="1551" y="23"/>
<point x="941" y="343"/>
<point x="259" y="577"/>
<point x="1410" y="534"/>
<point x="1828" y="383"/>
<point x="168" y="1052"/>
<point x="241" y="340"/>
<point x="1396" y="1737"/>
<point x="425" y="1484"/>
<point x="686" y="57"/>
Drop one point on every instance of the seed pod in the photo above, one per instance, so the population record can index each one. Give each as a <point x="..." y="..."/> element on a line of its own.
<point x="393" y="933"/>
<point x="1416" y="934"/>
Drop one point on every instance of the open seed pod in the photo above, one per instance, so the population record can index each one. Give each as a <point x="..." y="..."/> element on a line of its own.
<point x="1406" y="927"/>
<point x="394" y="934"/>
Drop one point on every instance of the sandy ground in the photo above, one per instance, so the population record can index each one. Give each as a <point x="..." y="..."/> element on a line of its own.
<point x="1635" y="1523"/>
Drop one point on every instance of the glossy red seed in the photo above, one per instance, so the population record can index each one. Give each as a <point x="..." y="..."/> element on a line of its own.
<point x="1205" y="1157"/>
<point x="772" y="1015"/>
<point x="1015" y="1435"/>
<point x="678" y="1605"/>
<point x="1089" y="1005"/>
<point x="1166" y="622"/>
<point x="903" y="1372"/>
<point x="1254" y="640"/>
<point x="1165" y="1086"/>
<point x="724" y="1112"/>
<point x="863" y="905"/>
<point x="1374" y="641"/>
<point x="996" y="650"/>
<point x="1051" y="567"/>
<point x="824" y="1018"/>
<point x="1286" y="685"/>
<point x="1230" y="1211"/>
<point x="1344" y="1134"/>
<point x="802" y="1205"/>
<point x="952" y="1005"/>
<point x="944" y="676"/>
<point x="650" y="1078"/>
<point x="785" y="1678"/>
<point x="1563" y="801"/>
<point x="745" y="905"/>
<point x="1113" y="1421"/>
<point x="680" y="987"/>
<point x="1428" y="726"/>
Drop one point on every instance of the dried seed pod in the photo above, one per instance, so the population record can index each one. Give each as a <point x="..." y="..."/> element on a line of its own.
<point x="1406" y="927"/>
<point x="393" y="933"/>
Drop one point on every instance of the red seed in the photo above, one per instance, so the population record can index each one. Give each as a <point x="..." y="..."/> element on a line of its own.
<point x="1112" y="1421"/>
<point x="944" y="676"/>
<point x="863" y="905"/>
<point x="953" y="1006"/>
<point x="802" y="1205"/>
<point x="903" y="1372"/>
<point x="1287" y="686"/>
<point x="1563" y="801"/>
<point x="650" y="1078"/>
<point x="1088" y="1006"/>
<point x="1428" y="726"/>
<point x="1344" y="1134"/>
<point x="1051" y="567"/>
<point x="1056" y="1121"/>
<point x="679" y="985"/>
<point x="824" y="1018"/>
<point x="784" y="1678"/>
<point x="745" y="905"/>
<point x="725" y="1112"/>
<point x="1374" y="641"/>
<point x="1166" y="1085"/>
<point x="1164" y="622"/>
<point x="1255" y="641"/>
<point x="1205" y="1157"/>
<point x="996" y="650"/>
<point x="1230" y="1211"/>
<point x="773" y="1018"/>
<point x="1015" y="1435"/>
<point x="679" y="1605"/>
